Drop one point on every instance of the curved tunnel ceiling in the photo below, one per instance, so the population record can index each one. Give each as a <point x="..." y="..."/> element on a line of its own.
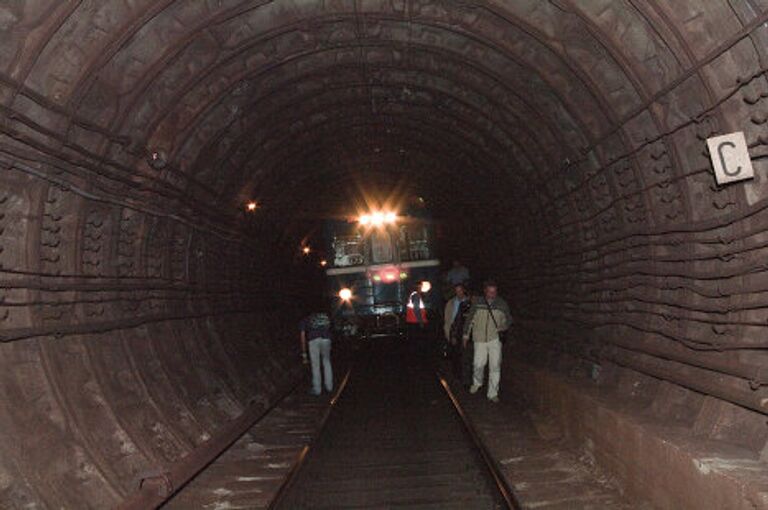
<point x="229" y="87"/>
<point x="569" y="135"/>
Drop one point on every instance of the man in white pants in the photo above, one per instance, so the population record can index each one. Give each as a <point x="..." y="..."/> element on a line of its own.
<point x="487" y="319"/>
<point x="316" y="337"/>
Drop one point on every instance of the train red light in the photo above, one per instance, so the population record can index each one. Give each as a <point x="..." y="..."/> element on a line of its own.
<point x="389" y="276"/>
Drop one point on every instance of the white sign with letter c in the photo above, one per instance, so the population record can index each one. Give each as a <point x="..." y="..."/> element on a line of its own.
<point x="730" y="158"/>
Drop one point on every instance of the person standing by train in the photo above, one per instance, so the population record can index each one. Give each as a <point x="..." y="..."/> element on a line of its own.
<point x="488" y="318"/>
<point x="417" y="321"/>
<point x="454" y="276"/>
<point x="453" y="326"/>
<point x="457" y="274"/>
<point x="315" y="334"/>
<point x="416" y="309"/>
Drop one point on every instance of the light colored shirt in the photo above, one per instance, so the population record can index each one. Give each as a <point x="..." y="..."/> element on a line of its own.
<point x="487" y="319"/>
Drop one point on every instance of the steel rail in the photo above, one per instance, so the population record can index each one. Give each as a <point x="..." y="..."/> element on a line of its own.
<point x="158" y="487"/>
<point x="301" y="459"/>
<point x="510" y="499"/>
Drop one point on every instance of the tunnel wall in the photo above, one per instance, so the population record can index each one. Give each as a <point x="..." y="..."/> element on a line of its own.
<point x="128" y="339"/>
<point x="650" y="460"/>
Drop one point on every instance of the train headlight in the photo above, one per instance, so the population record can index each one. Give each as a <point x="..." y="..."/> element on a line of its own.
<point x="377" y="219"/>
<point x="345" y="294"/>
<point x="425" y="287"/>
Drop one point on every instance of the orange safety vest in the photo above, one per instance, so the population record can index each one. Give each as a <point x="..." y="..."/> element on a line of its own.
<point x="410" y="311"/>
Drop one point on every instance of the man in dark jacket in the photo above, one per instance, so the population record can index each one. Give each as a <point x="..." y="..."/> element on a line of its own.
<point x="456" y="310"/>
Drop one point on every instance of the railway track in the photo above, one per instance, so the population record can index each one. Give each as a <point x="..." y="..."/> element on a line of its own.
<point x="395" y="440"/>
<point x="396" y="436"/>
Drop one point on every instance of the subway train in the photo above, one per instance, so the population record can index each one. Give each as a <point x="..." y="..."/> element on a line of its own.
<point x="377" y="259"/>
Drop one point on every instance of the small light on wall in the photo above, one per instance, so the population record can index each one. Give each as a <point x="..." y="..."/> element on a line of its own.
<point x="251" y="206"/>
<point x="157" y="159"/>
<point x="323" y="263"/>
<point x="306" y="250"/>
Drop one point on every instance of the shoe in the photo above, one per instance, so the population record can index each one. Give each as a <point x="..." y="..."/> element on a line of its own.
<point x="495" y="400"/>
<point x="474" y="389"/>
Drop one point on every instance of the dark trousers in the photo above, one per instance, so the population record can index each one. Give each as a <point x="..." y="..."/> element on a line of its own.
<point x="454" y="356"/>
<point x="467" y="356"/>
<point x="461" y="361"/>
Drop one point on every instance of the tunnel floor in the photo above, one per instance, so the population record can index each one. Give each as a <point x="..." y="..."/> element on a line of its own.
<point x="394" y="440"/>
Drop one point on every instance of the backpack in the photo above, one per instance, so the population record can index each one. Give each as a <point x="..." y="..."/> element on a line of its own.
<point x="457" y="327"/>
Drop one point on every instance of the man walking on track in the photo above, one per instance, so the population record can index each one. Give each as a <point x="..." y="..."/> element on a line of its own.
<point x="488" y="318"/>
<point x="316" y="337"/>
<point x="453" y="328"/>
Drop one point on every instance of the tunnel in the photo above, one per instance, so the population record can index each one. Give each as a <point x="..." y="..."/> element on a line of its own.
<point x="562" y="146"/>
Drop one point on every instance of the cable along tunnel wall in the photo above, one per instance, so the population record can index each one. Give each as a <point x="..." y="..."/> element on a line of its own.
<point x="128" y="340"/>
<point x="569" y="134"/>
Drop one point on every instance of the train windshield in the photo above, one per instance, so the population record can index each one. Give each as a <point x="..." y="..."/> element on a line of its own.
<point x="382" y="251"/>
<point x="348" y="250"/>
<point x="409" y="240"/>
<point x="414" y="242"/>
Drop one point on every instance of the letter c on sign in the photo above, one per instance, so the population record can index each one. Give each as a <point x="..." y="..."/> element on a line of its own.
<point x="722" y="159"/>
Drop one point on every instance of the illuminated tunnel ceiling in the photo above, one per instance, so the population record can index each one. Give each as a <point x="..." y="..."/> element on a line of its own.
<point x="576" y="127"/>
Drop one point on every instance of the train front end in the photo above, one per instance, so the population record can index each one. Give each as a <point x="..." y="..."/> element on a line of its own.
<point x="378" y="260"/>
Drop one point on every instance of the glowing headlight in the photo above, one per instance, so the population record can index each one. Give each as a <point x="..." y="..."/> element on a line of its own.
<point x="345" y="294"/>
<point x="377" y="219"/>
<point x="426" y="287"/>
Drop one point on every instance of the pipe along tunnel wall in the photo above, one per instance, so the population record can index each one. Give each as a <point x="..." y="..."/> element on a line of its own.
<point x="562" y="142"/>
